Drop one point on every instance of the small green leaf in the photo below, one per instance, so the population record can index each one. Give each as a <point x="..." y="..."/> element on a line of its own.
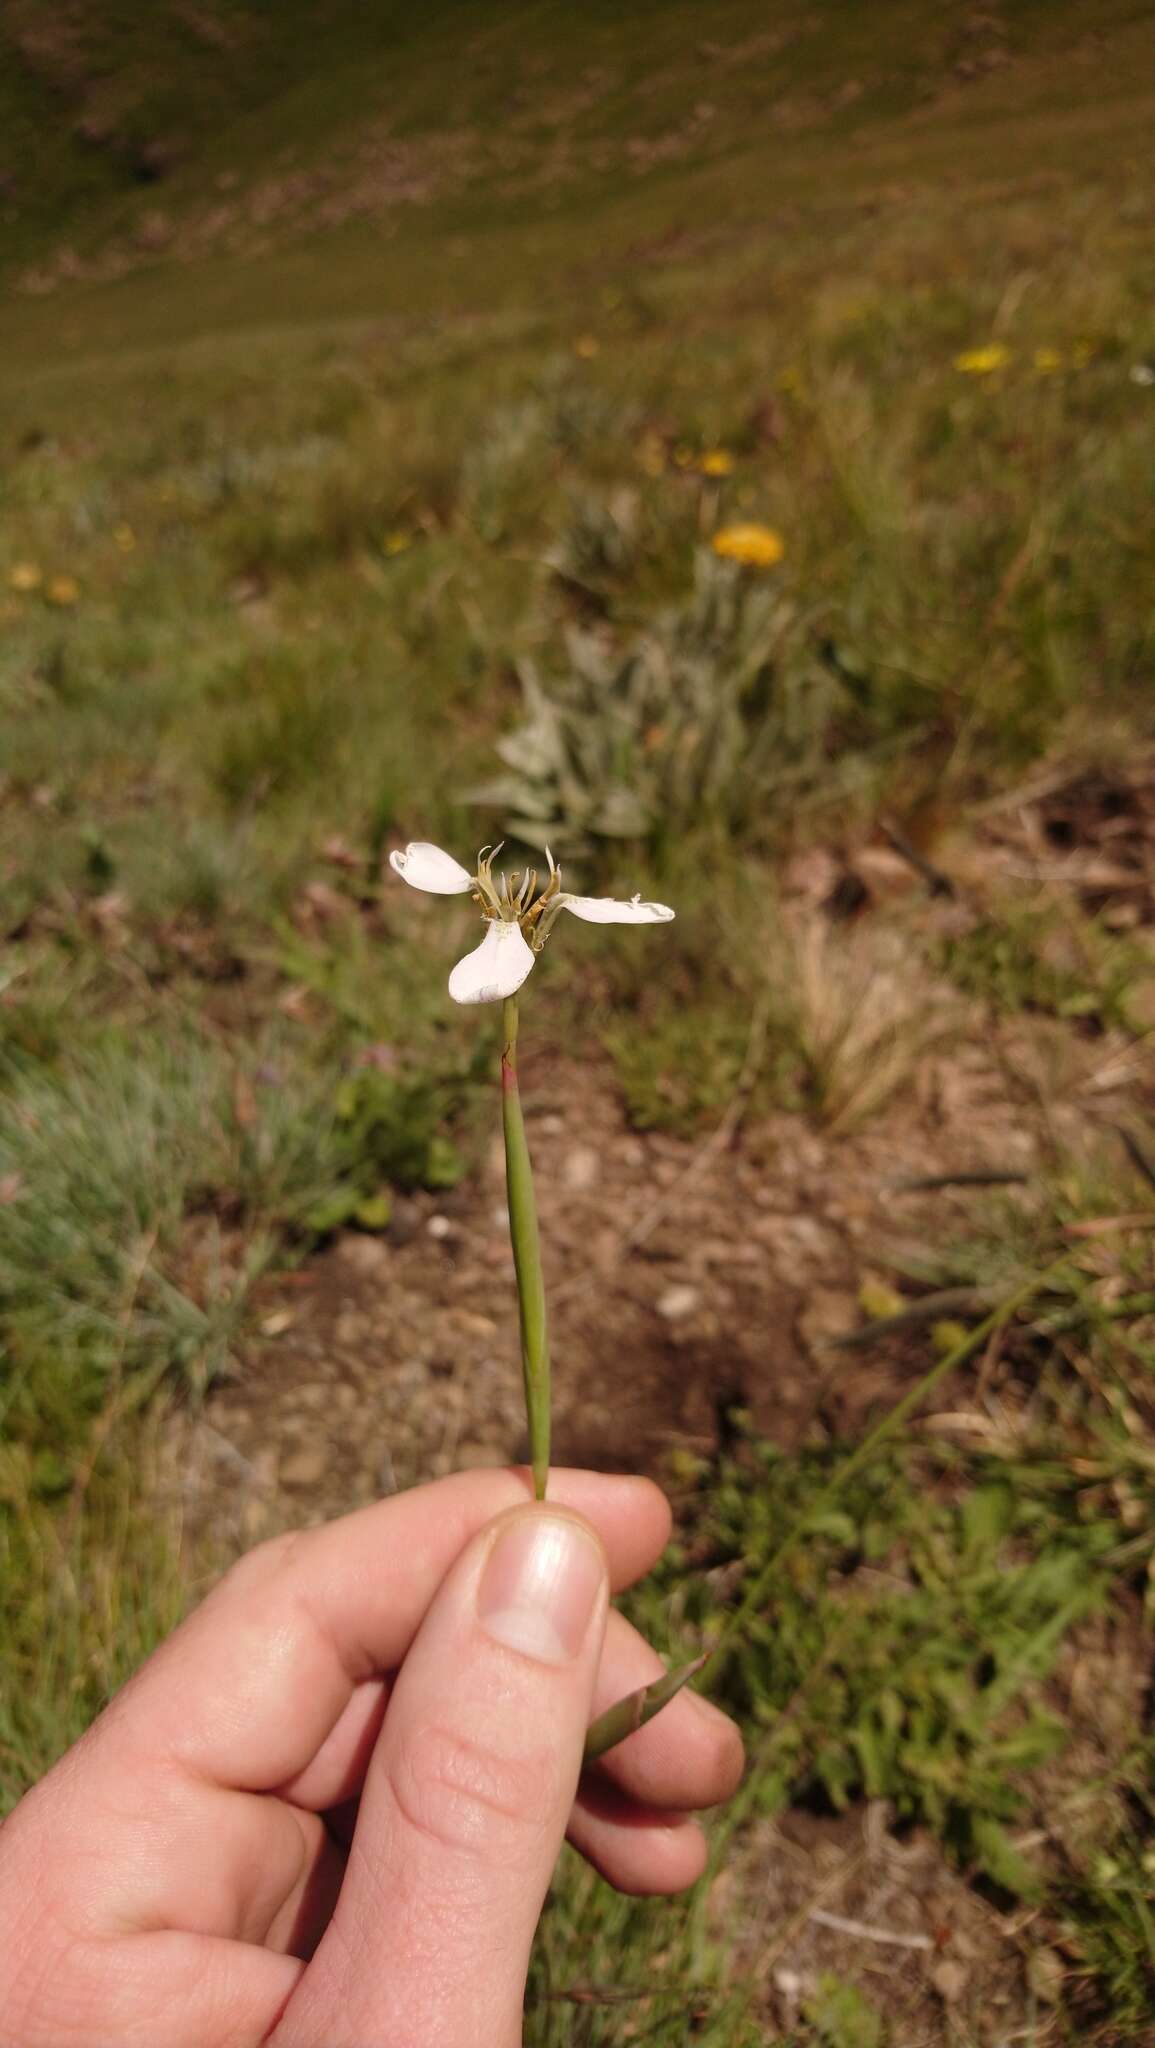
<point x="999" y="1858"/>
<point x="631" y="1713"/>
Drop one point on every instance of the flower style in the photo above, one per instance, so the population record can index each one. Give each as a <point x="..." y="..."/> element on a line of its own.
<point x="518" y="918"/>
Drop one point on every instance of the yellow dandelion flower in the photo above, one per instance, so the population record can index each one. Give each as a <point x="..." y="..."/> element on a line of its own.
<point x="983" y="362"/>
<point x="24" y="576"/>
<point x="62" y="590"/>
<point x="396" y="541"/>
<point x="1047" y="361"/>
<point x="756" y="547"/>
<point x="716" y="462"/>
<point x="124" y="537"/>
<point x="586" y="346"/>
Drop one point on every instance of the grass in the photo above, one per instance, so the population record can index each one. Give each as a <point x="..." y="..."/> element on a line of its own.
<point x="398" y="484"/>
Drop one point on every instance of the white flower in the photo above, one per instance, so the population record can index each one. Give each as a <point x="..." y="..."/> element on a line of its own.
<point x="609" y="910"/>
<point x="426" y="867"/>
<point x="494" y="969"/>
<point x="518" y="920"/>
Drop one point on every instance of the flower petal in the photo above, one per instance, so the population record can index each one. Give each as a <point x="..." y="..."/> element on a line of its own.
<point x="427" y="867"/>
<point x="494" y="969"/>
<point x="608" y="910"/>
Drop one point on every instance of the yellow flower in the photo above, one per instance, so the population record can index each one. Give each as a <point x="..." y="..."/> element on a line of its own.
<point x="981" y="362"/>
<point x="396" y="541"/>
<point x="24" y="576"/>
<point x="716" y="462"/>
<point x="586" y="346"/>
<point x="124" y="537"/>
<point x="62" y="590"/>
<point x="757" y="547"/>
<point x="1047" y="361"/>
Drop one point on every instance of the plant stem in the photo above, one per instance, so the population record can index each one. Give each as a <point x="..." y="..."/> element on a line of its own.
<point x="763" y="1580"/>
<point x="523" y="1233"/>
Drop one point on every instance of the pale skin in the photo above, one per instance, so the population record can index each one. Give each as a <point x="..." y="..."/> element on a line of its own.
<point x="326" y="1812"/>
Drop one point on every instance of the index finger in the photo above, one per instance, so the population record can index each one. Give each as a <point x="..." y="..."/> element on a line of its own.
<point x="247" y="1689"/>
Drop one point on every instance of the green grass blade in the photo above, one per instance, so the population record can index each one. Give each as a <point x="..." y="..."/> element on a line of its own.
<point x="632" y="1712"/>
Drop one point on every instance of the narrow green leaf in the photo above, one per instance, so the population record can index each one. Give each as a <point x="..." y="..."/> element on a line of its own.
<point x="632" y="1712"/>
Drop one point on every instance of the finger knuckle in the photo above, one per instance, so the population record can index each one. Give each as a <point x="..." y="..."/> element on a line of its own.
<point x="463" y="1794"/>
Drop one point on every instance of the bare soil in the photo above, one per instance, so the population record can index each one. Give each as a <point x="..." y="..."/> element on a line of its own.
<point x="688" y="1278"/>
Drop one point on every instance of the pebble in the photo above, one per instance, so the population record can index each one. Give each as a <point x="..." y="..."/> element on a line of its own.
<point x="581" y="1169"/>
<point x="470" y="1324"/>
<point x="439" y="1227"/>
<point x="363" y="1254"/>
<point x="677" y="1303"/>
<point x="316" y="1394"/>
<point x="306" y="1467"/>
<point x="950" y="1980"/>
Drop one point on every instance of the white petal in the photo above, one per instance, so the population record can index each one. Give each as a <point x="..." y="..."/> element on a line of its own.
<point x="426" y="867"/>
<point x="494" y="969"/>
<point x="608" y="910"/>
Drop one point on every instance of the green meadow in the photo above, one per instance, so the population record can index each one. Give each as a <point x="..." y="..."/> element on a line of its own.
<point x="715" y="444"/>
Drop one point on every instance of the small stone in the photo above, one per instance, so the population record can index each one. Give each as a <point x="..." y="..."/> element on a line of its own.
<point x="315" y="1394"/>
<point x="306" y="1468"/>
<point x="469" y="1323"/>
<point x="581" y="1169"/>
<point x="950" y="1980"/>
<point x="829" y="1312"/>
<point x="363" y="1254"/>
<point x="439" y="1227"/>
<point x="350" y="1327"/>
<point x="1045" y="1974"/>
<point x="677" y="1303"/>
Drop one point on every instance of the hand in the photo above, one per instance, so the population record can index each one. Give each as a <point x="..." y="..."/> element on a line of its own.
<point x="325" y="1813"/>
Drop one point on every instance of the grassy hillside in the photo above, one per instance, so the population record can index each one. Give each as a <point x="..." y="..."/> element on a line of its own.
<point x="376" y="396"/>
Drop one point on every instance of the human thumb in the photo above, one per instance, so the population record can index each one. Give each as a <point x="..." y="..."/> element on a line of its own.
<point x="466" y="1800"/>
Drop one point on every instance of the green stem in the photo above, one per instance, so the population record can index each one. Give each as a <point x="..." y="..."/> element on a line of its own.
<point x="622" y="1719"/>
<point x="762" y="1582"/>
<point x="523" y="1233"/>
